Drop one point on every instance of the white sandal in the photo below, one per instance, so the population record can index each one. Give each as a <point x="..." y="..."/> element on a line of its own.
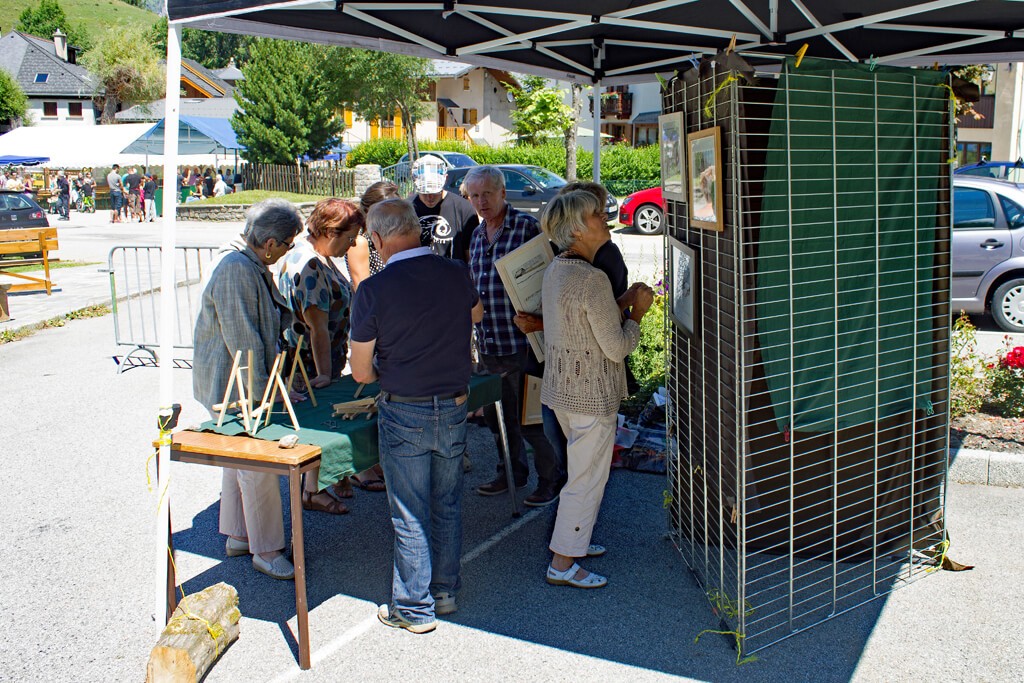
<point x="568" y="578"/>
<point x="595" y="550"/>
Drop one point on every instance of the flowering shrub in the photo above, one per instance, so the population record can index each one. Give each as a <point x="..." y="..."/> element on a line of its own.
<point x="966" y="373"/>
<point x="1006" y="381"/>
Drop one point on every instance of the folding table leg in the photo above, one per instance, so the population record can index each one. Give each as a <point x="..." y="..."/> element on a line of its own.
<point x="508" y="460"/>
<point x="299" y="561"/>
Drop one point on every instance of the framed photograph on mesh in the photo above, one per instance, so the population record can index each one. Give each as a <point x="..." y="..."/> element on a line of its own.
<point x="684" y="287"/>
<point x="673" y="166"/>
<point x="704" y="150"/>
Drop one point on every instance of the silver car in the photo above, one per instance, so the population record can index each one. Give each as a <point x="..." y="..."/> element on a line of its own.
<point x="988" y="250"/>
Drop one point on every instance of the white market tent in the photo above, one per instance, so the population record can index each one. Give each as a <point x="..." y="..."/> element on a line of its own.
<point x="81" y="146"/>
<point x="75" y="145"/>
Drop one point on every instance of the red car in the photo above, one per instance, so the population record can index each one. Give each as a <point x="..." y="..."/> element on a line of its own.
<point x="644" y="211"/>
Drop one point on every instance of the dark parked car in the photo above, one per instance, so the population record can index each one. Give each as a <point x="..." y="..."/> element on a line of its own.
<point x="18" y="210"/>
<point x="988" y="249"/>
<point x="528" y="188"/>
<point x="403" y="169"/>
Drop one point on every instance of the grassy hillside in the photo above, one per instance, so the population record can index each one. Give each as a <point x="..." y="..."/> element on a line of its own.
<point x="94" y="16"/>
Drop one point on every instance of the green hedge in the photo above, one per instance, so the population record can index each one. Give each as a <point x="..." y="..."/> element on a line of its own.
<point x="624" y="169"/>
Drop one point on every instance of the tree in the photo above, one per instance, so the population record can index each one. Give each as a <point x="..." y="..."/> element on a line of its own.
<point x="286" y="109"/>
<point x="127" y="67"/>
<point x="46" y="19"/>
<point x="211" y="49"/>
<point x="376" y="84"/>
<point x="540" y="111"/>
<point x="13" y="103"/>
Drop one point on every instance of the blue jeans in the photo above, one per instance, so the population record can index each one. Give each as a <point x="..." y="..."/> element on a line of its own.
<point x="421" y="447"/>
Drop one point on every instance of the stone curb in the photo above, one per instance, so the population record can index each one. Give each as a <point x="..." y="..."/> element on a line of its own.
<point x="990" y="468"/>
<point x="227" y="212"/>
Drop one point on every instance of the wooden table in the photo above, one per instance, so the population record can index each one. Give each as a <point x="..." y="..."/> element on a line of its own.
<point x="264" y="455"/>
<point x="241" y="452"/>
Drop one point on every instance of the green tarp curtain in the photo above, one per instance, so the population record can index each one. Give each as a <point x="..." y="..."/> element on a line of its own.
<point x="856" y="170"/>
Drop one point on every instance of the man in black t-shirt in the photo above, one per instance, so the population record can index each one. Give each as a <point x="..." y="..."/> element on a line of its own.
<point x="446" y="220"/>
<point x="134" y="184"/>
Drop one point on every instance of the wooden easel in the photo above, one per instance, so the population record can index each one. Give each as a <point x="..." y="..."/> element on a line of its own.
<point x="275" y="383"/>
<point x="244" y="392"/>
<point x="297" y="363"/>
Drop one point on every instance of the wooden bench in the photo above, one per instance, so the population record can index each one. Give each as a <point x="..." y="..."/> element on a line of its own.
<point x="28" y="242"/>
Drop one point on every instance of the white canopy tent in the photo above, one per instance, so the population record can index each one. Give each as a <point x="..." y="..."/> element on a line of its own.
<point x="81" y="146"/>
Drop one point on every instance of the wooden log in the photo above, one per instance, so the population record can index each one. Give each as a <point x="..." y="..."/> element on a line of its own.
<point x="186" y="649"/>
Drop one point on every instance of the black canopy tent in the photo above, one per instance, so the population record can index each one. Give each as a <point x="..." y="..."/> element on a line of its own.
<point x="601" y="42"/>
<point x="619" y="41"/>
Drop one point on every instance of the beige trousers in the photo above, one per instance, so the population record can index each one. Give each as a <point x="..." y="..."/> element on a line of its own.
<point x="250" y="507"/>
<point x="590" y="443"/>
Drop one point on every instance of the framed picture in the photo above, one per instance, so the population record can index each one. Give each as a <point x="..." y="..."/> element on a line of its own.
<point x="684" y="286"/>
<point x="704" y="151"/>
<point x="531" y="401"/>
<point x="522" y="273"/>
<point x="673" y="166"/>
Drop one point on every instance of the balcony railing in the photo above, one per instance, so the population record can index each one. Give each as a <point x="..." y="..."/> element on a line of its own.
<point x="617" y="105"/>
<point x="452" y="133"/>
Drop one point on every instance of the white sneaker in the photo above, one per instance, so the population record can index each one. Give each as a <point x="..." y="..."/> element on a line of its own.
<point x="277" y="568"/>
<point x="234" y="547"/>
<point x="444" y="603"/>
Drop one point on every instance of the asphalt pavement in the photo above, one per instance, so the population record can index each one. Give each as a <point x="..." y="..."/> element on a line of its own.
<point x="77" y="562"/>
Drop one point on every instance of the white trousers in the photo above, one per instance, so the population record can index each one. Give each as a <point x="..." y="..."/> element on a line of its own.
<point x="589" y="459"/>
<point x="150" y="209"/>
<point x="250" y="507"/>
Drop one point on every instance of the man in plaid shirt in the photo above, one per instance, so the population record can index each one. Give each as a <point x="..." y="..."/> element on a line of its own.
<point x="504" y="349"/>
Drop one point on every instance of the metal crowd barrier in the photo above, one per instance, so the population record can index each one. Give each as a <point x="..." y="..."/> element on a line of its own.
<point x="134" y="297"/>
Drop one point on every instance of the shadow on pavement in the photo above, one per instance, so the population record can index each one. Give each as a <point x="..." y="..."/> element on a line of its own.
<point x="647" y="617"/>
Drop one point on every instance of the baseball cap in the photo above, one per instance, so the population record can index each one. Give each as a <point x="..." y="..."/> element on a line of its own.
<point x="428" y="174"/>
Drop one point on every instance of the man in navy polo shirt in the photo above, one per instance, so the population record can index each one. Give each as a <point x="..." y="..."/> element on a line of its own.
<point x="411" y="330"/>
<point x="504" y="350"/>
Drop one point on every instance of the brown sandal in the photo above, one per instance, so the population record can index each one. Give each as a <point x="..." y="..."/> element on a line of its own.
<point x="335" y="507"/>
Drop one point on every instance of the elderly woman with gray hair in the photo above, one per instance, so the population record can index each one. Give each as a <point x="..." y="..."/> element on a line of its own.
<point x="586" y="342"/>
<point x="241" y="310"/>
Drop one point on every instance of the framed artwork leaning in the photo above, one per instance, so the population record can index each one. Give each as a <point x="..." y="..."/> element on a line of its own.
<point x="673" y="165"/>
<point x="684" y="287"/>
<point x="704" y="150"/>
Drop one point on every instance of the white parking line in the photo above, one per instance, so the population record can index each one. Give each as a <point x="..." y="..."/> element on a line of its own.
<point x="363" y="626"/>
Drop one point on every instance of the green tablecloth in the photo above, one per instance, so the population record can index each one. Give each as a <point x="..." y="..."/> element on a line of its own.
<point x="347" y="446"/>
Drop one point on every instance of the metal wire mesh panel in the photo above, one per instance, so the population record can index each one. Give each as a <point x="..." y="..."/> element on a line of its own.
<point x="809" y="420"/>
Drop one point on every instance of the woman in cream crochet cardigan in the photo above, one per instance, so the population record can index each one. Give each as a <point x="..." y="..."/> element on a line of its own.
<point x="586" y="341"/>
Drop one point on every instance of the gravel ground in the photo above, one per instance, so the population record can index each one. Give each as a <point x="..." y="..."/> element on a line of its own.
<point x="77" y="558"/>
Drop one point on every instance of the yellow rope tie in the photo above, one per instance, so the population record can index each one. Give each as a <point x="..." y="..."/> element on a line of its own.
<point x="711" y="98"/>
<point x="215" y="630"/>
<point x="149" y="479"/>
<point x="728" y="606"/>
<point x="666" y="499"/>
<point x="740" y="659"/>
<point x="943" y="547"/>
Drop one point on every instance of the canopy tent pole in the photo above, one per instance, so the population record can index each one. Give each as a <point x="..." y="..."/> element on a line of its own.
<point x="598" y="52"/>
<point x="168" y="315"/>
<point x="597" y="131"/>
